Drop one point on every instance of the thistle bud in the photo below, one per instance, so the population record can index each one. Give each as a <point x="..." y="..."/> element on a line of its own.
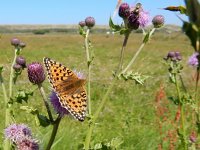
<point x="158" y="21"/>
<point x="36" y="73"/>
<point x="15" y="42"/>
<point x="21" y="61"/>
<point x="124" y="10"/>
<point x="82" y="23"/>
<point x="90" y="22"/>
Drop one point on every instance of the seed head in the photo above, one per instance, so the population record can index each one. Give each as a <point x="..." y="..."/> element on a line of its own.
<point x="158" y="21"/>
<point x="90" y="22"/>
<point x="36" y="73"/>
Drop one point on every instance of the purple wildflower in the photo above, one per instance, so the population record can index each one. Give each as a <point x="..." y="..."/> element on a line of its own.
<point x="173" y="56"/>
<point x="158" y="21"/>
<point x="57" y="105"/>
<point x="138" y="17"/>
<point x="90" y="22"/>
<point x="193" y="60"/>
<point x="27" y="143"/>
<point x="124" y="10"/>
<point x="16" y="132"/>
<point x="36" y="73"/>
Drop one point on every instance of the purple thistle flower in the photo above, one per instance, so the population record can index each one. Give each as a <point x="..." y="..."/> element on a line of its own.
<point x="36" y="73"/>
<point x="90" y="22"/>
<point x="17" y="67"/>
<point x="124" y="10"/>
<point x="138" y="17"/>
<point x="16" y="132"/>
<point x="27" y="143"/>
<point x="82" y="23"/>
<point x="15" y="42"/>
<point x="193" y="60"/>
<point x="158" y="21"/>
<point x="57" y="105"/>
<point x="21" y="61"/>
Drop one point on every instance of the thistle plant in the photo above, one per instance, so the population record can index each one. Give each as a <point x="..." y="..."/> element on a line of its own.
<point x="133" y="18"/>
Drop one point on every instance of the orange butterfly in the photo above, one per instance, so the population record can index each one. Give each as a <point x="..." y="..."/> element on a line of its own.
<point x="68" y="87"/>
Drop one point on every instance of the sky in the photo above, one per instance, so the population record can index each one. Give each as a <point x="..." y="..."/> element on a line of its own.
<point x="73" y="11"/>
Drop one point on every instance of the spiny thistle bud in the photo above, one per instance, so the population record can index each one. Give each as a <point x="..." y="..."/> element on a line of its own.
<point x="90" y="22"/>
<point x="17" y="67"/>
<point x="82" y="23"/>
<point x="15" y="42"/>
<point x="36" y="73"/>
<point x="21" y="61"/>
<point x="158" y="21"/>
<point x="22" y="44"/>
<point x="124" y="10"/>
<point x="173" y="56"/>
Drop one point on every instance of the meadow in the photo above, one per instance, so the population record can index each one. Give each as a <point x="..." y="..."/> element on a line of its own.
<point x="130" y="111"/>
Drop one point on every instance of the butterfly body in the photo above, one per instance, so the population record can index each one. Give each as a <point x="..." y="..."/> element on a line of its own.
<point x="68" y="87"/>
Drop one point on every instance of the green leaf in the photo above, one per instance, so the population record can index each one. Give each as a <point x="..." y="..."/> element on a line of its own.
<point x="193" y="32"/>
<point x="174" y="100"/>
<point x="1" y="69"/>
<point x="82" y="31"/>
<point x="22" y="96"/>
<point x="116" y="142"/>
<point x="30" y="110"/>
<point x="43" y="120"/>
<point x="114" y="27"/>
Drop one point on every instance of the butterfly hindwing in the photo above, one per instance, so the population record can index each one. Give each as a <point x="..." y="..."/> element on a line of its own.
<point x="68" y="87"/>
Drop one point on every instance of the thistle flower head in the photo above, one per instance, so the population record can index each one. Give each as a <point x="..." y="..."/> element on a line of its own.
<point x="90" y="22"/>
<point x="16" y="132"/>
<point x="124" y="10"/>
<point x="21" y="61"/>
<point x="36" y="73"/>
<point x="27" y="143"/>
<point x="82" y="23"/>
<point x="138" y="17"/>
<point x="57" y="105"/>
<point x="15" y="42"/>
<point x="193" y="60"/>
<point x="158" y="21"/>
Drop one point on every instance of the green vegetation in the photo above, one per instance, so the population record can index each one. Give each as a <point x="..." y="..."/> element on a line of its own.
<point x="130" y="112"/>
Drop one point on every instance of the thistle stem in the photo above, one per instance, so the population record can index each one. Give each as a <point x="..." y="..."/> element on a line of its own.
<point x="98" y="110"/>
<point x="54" y="132"/>
<point x="89" y="70"/>
<point x="138" y="52"/>
<point x="181" y="104"/>
<point x="41" y="89"/>
<point x="6" y="143"/>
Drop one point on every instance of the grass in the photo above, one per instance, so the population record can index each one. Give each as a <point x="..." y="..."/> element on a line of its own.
<point x="129" y="113"/>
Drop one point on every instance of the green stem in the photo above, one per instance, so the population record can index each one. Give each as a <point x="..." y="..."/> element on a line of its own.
<point x="181" y="103"/>
<point x="98" y="110"/>
<point x="137" y="53"/>
<point x="12" y="73"/>
<point x="41" y="89"/>
<point x="54" y="132"/>
<point x="6" y="143"/>
<point x="89" y="70"/>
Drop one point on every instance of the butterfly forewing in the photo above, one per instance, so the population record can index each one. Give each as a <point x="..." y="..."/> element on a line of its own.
<point x="68" y="87"/>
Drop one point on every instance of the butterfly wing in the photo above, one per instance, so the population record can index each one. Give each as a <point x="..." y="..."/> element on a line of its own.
<point x="68" y="87"/>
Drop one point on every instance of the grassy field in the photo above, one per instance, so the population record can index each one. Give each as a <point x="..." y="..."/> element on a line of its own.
<point x="129" y="113"/>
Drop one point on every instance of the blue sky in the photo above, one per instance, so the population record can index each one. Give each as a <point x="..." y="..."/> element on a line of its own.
<point x="73" y="11"/>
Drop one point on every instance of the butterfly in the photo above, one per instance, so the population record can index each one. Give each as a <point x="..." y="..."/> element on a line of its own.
<point x="68" y="87"/>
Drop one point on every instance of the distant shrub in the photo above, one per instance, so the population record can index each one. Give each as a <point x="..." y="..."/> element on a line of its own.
<point x="41" y="31"/>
